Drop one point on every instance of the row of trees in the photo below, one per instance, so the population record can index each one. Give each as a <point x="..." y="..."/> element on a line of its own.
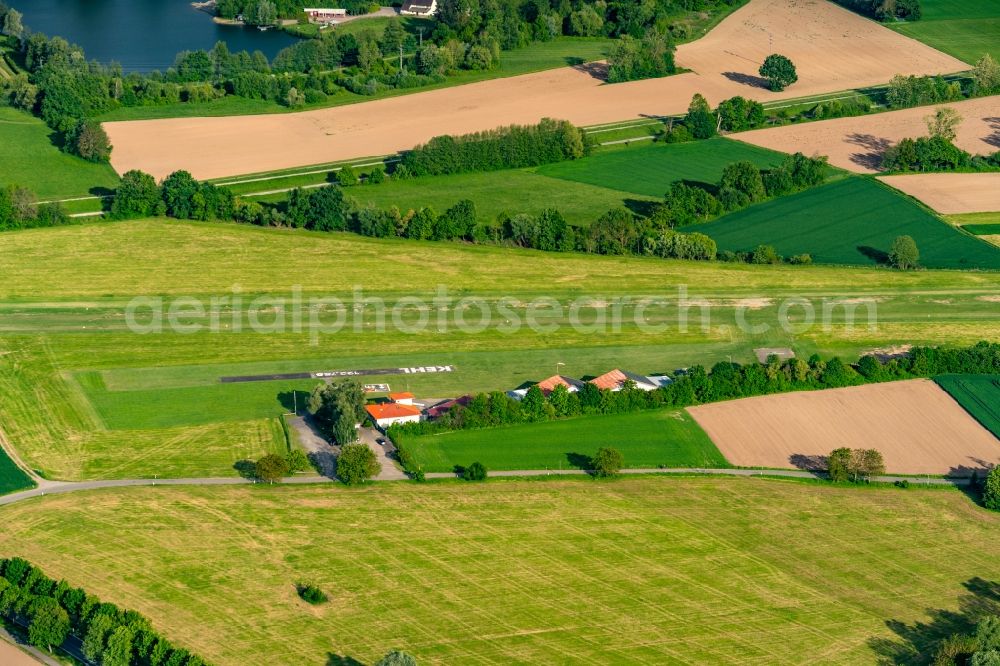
<point x="51" y="611"/>
<point x="886" y="10"/>
<point x="698" y="385"/>
<point x="936" y="151"/>
<point x="510" y="147"/>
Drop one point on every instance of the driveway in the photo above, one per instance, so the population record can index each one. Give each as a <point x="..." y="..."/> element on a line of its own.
<point x="315" y="445"/>
<point x="390" y="470"/>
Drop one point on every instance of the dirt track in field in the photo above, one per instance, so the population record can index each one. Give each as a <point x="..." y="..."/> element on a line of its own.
<point x="917" y="427"/>
<point x="833" y="49"/>
<point x="857" y="144"/>
<point x="952" y="193"/>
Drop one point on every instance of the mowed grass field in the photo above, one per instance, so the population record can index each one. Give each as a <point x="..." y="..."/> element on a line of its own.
<point x="978" y="394"/>
<point x="851" y="221"/>
<point x="649" y="169"/>
<point x="962" y="28"/>
<point x="660" y="438"/>
<point x="639" y="570"/>
<point x="29" y="158"/>
<point x="82" y="393"/>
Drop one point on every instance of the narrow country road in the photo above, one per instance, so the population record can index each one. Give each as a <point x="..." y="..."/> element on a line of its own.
<point x="61" y="487"/>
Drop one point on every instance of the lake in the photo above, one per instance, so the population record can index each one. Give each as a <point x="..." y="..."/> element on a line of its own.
<point x="142" y="35"/>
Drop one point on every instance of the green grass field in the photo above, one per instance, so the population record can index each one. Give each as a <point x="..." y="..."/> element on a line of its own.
<point x="852" y="221"/>
<point x="649" y="439"/>
<point x="29" y="159"/>
<point x="649" y="169"/>
<point x="512" y="192"/>
<point x="83" y="397"/>
<point x="12" y="478"/>
<point x="643" y="570"/>
<point x="978" y="394"/>
<point x="962" y="28"/>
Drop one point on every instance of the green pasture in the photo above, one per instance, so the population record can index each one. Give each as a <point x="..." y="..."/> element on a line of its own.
<point x="511" y="192"/>
<point x="29" y="158"/>
<point x="86" y="397"/>
<point x="965" y="29"/>
<point x="656" y="569"/>
<point x="852" y="221"/>
<point x="649" y="439"/>
<point x="978" y="394"/>
<point x="536" y="57"/>
<point x="650" y="168"/>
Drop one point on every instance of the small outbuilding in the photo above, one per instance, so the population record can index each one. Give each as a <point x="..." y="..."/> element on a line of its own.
<point x="402" y="397"/>
<point x="426" y="8"/>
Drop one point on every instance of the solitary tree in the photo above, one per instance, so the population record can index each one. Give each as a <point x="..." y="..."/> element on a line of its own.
<point x="356" y="464"/>
<point x="904" y="253"/>
<point x="867" y="463"/>
<point x="12" y="23"/>
<point x="607" y="462"/>
<point x="986" y="75"/>
<point x="475" y="472"/>
<point x="397" y="658"/>
<point x="271" y="468"/>
<point x="700" y="120"/>
<point x="90" y="141"/>
<point x="943" y="123"/>
<point x="779" y="72"/>
<point x="49" y="623"/>
<point x="838" y="464"/>
<point x="991" y="489"/>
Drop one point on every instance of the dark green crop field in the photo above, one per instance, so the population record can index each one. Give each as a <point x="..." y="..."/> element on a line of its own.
<point x="649" y="169"/>
<point x="965" y="29"/>
<point x="978" y="394"/>
<point x="851" y="221"/>
<point x="11" y="477"/>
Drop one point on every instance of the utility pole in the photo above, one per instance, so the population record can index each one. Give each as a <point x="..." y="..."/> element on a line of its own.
<point x="421" y="37"/>
<point x="401" y="58"/>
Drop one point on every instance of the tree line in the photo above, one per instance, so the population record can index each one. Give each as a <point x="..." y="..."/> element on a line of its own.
<point x="51" y="611"/>
<point x="19" y="209"/>
<point x="698" y="385"/>
<point x="511" y="147"/>
<point x="937" y="151"/>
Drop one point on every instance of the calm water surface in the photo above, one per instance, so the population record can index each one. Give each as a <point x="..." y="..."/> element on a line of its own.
<point x="142" y="35"/>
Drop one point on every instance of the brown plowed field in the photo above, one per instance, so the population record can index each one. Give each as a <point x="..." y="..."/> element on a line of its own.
<point x="833" y="49"/>
<point x="951" y="193"/>
<point x="857" y="144"/>
<point x="917" y="427"/>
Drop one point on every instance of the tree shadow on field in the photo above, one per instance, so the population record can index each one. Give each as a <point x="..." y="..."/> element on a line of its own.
<point x="579" y="461"/>
<point x="875" y="147"/>
<point x="341" y="660"/>
<point x="808" y="463"/>
<point x="993" y="139"/>
<point x="597" y="70"/>
<point x="915" y="643"/>
<point x="748" y="80"/>
<point x="875" y="254"/>
<point x="641" y="207"/>
<point x="291" y="400"/>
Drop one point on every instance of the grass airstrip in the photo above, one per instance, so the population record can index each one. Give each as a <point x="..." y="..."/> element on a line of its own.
<point x="85" y="397"/>
<point x="655" y="569"/>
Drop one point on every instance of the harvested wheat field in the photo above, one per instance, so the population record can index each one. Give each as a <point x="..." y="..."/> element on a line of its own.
<point x="857" y="144"/>
<point x="833" y="49"/>
<point x="917" y="427"/>
<point x="951" y="193"/>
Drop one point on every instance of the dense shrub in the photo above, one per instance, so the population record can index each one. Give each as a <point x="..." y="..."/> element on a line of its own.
<point x="907" y="91"/>
<point x="738" y="114"/>
<point x="631" y="59"/>
<point x="505" y="148"/>
<point x="311" y="594"/>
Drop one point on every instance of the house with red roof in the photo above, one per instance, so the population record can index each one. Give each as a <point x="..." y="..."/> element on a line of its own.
<point x="392" y="413"/>
<point x="616" y="380"/>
